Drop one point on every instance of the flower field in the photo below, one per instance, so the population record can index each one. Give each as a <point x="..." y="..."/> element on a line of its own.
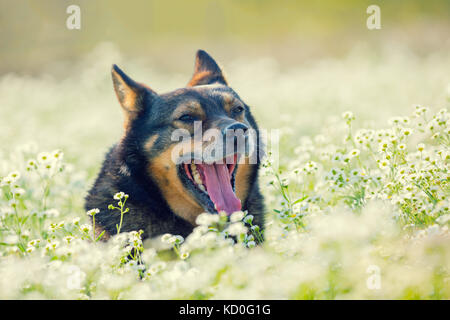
<point x="357" y="196"/>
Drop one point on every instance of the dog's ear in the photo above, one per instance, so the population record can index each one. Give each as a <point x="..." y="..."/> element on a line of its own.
<point x="206" y="71"/>
<point x="133" y="96"/>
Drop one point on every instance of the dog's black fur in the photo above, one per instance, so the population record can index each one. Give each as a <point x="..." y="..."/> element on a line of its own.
<point x="138" y="164"/>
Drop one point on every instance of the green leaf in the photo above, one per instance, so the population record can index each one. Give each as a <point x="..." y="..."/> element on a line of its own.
<point x="300" y="200"/>
<point x="101" y="235"/>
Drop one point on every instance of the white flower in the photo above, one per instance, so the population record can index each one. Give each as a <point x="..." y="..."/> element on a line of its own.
<point x="207" y="219"/>
<point x="52" y="245"/>
<point x="14" y="176"/>
<point x="248" y="219"/>
<point x="44" y="157"/>
<point x="17" y="192"/>
<point x="93" y="212"/>
<point x="120" y="195"/>
<point x="420" y="147"/>
<point x="31" y="163"/>
<point x="68" y="239"/>
<point x="236" y="229"/>
<point x="354" y="153"/>
<point x="237" y="216"/>
<point x="30" y="249"/>
<point x="251" y="244"/>
<point x="407" y="131"/>
<point x="6" y="181"/>
<point x="86" y="228"/>
<point x="57" y="154"/>
<point x="76" y="221"/>
<point x="13" y="203"/>
<point x="175" y="240"/>
<point x="166" y="237"/>
<point x="179" y="239"/>
<point x="348" y="115"/>
<point x="184" y="255"/>
<point x="34" y="242"/>
<point x="310" y="167"/>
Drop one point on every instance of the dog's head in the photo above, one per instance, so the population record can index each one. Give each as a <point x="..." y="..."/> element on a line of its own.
<point x="199" y="143"/>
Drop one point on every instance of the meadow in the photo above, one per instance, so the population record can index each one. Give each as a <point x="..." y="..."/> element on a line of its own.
<point x="357" y="197"/>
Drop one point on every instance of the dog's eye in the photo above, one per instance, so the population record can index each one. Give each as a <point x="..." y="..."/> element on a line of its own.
<point x="187" y="118"/>
<point x="238" y="110"/>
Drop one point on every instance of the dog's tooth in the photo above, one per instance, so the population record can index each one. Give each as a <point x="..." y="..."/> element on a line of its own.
<point x="197" y="178"/>
<point x="194" y="170"/>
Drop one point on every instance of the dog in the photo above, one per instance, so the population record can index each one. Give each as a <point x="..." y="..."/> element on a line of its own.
<point x="166" y="194"/>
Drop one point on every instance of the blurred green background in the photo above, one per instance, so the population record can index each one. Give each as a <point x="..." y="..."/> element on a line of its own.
<point x="34" y="35"/>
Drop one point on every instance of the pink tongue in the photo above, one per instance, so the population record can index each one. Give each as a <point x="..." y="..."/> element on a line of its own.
<point x="218" y="185"/>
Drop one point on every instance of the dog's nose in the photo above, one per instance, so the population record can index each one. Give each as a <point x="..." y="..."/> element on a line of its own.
<point x="235" y="126"/>
<point x="235" y="138"/>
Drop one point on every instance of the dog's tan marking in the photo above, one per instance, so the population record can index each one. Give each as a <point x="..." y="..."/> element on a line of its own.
<point x="199" y="78"/>
<point x="191" y="107"/>
<point x="164" y="172"/>
<point x="228" y="101"/>
<point x="150" y="142"/>
<point x="242" y="180"/>
<point x="206" y="71"/>
<point x="127" y="97"/>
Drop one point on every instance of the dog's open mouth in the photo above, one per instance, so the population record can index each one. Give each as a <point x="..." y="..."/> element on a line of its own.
<point x="212" y="184"/>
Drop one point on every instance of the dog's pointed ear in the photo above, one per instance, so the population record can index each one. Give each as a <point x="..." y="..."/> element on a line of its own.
<point x="206" y="71"/>
<point x="133" y="96"/>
